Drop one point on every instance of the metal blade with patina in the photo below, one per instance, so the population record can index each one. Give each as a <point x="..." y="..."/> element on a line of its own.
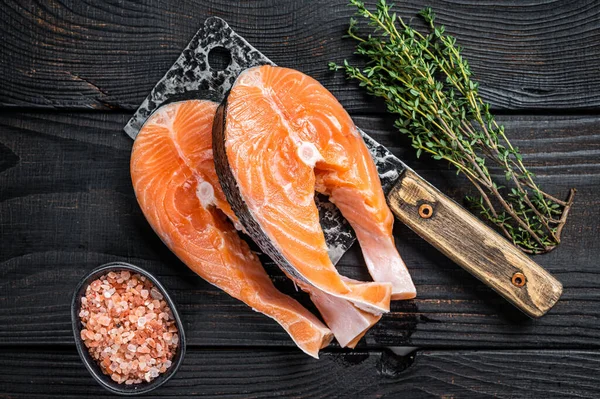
<point x="192" y="72"/>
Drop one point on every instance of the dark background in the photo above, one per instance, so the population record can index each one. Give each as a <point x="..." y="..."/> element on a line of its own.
<point x="73" y="72"/>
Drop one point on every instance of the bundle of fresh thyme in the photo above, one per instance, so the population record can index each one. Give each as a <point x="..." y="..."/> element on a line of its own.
<point x="425" y="80"/>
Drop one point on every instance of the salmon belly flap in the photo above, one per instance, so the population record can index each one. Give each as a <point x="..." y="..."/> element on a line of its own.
<point x="280" y="137"/>
<point x="177" y="188"/>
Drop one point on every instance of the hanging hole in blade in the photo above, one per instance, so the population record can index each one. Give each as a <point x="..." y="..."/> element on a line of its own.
<point x="219" y="58"/>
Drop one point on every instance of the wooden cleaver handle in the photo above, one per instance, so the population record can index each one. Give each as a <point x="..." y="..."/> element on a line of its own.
<point x="473" y="245"/>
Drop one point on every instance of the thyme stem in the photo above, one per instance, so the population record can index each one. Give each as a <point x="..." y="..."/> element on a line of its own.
<point x="424" y="79"/>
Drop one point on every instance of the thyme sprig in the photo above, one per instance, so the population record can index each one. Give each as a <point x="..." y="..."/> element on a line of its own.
<point x="425" y="80"/>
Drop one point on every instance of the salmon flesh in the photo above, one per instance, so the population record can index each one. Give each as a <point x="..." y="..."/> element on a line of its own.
<point x="177" y="188"/>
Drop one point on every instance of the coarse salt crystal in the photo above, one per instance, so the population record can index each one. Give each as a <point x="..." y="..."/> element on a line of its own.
<point x="131" y="348"/>
<point x="155" y="294"/>
<point x="141" y="321"/>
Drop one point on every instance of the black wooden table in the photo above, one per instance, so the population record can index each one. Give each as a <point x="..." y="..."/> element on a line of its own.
<point x="73" y="72"/>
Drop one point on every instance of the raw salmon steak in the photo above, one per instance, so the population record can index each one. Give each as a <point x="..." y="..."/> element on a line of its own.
<point x="176" y="185"/>
<point x="279" y="137"/>
<point x="347" y="323"/>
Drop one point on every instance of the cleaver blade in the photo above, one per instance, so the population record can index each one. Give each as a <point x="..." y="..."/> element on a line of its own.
<point x="192" y="72"/>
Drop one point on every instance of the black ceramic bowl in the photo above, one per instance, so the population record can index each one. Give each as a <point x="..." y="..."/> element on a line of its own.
<point x="91" y="364"/>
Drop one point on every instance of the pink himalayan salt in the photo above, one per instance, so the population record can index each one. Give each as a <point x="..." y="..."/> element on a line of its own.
<point x="128" y="328"/>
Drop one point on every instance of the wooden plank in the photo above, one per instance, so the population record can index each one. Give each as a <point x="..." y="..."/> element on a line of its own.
<point x="261" y="373"/>
<point x="86" y="54"/>
<point x="66" y="206"/>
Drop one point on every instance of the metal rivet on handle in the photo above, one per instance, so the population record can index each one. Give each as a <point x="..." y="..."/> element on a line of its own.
<point x="425" y="211"/>
<point x="519" y="279"/>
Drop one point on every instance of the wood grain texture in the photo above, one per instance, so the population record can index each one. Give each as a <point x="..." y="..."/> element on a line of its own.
<point x="263" y="373"/>
<point x="67" y="205"/>
<point x="473" y="245"/>
<point x="532" y="54"/>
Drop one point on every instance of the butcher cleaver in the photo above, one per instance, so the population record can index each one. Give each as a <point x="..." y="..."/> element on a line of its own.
<point x="432" y="215"/>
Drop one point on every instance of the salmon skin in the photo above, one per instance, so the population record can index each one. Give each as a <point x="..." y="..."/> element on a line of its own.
<point x="279" y="136"/>
<point x="177" y="188"/>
